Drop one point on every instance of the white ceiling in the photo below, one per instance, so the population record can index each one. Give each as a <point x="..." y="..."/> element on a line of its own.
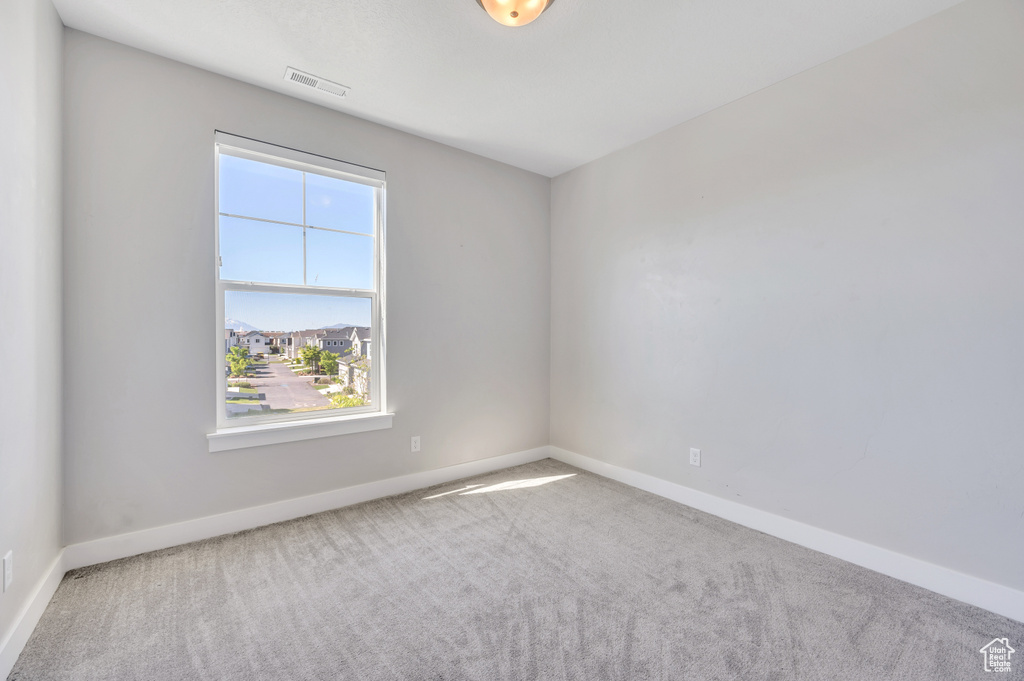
<point x="587" y="78"/>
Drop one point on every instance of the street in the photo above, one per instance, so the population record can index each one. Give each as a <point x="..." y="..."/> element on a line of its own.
<point x="284" y="389"/>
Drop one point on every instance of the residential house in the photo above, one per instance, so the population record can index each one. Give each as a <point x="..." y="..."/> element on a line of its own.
<point x="230" y="340"/>
<point x="277" y="341"/>
<point x="255" y="341"/>
<point x="360" y="340"/>
<point x="300" y="339"/>
<point x="338" y="341"/>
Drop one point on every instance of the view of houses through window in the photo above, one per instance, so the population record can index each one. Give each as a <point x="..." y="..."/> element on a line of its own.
<point x="299" y="283"/>
<point x="275" y="371"/>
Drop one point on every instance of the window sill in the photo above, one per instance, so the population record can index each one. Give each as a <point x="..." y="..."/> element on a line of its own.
<point x="292" y="431"/>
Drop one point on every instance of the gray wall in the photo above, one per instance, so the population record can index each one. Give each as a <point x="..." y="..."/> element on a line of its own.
<point x="822" y="286"/>
<point x="30" y="307"/>
<point x="468" y="265"/>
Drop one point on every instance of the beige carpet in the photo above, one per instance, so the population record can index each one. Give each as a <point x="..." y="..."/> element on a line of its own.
<point x="561" y="575"/>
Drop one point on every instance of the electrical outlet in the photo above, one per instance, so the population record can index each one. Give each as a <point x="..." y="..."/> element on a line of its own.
<point x="694" y="456"/>
<point x="8" y="570"/>
<point x="415" y="443"/>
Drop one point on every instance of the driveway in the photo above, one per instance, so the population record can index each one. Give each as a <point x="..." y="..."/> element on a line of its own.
<point x="284" y="389"/>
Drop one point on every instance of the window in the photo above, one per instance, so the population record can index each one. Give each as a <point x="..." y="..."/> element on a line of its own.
<point x="300" y="250"/>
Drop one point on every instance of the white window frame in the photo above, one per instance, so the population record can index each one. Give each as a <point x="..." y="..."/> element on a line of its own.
<point x="248" y="431"/>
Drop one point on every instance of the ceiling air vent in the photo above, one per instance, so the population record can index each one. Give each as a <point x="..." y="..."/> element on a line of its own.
<point x="308" y="80"/>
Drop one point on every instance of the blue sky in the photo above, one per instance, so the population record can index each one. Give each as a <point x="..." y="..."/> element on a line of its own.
<point x="293" y="312"/>
<point x="272" y="253"/>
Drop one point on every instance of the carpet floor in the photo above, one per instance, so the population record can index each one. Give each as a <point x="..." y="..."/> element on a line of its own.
<point x="541" y="571"/>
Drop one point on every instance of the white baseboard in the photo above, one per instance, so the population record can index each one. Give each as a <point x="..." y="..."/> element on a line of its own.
<point x="166" y="536"/>
<point x="25" y="622"/>
<point x="984" y="594"/>
<point x="133" y="543"/>
<point x="988" y="595"/>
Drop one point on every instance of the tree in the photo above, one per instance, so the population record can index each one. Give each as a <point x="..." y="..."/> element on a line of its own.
<point x="329" y="363"/>
<point x="238" y="359"/>
<point x="311" y="357"/>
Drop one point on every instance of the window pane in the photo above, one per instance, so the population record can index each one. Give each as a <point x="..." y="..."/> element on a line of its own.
<point x="260" y="251"/>
<point x="339" y="260"/>
<point x="305" y="353"/>
<point x="338" y="204"/>
<point x="260" y="190"/>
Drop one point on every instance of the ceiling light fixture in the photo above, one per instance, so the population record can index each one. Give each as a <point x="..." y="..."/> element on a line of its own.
<point x="514" y="12"/>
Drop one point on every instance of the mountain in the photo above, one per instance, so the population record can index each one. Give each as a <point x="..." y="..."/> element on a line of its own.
<point x="238" y="326"/>
<point x="245" y="328"/>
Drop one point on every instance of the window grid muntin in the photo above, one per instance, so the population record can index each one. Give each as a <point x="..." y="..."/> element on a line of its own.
<point x="296" y="224"/>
